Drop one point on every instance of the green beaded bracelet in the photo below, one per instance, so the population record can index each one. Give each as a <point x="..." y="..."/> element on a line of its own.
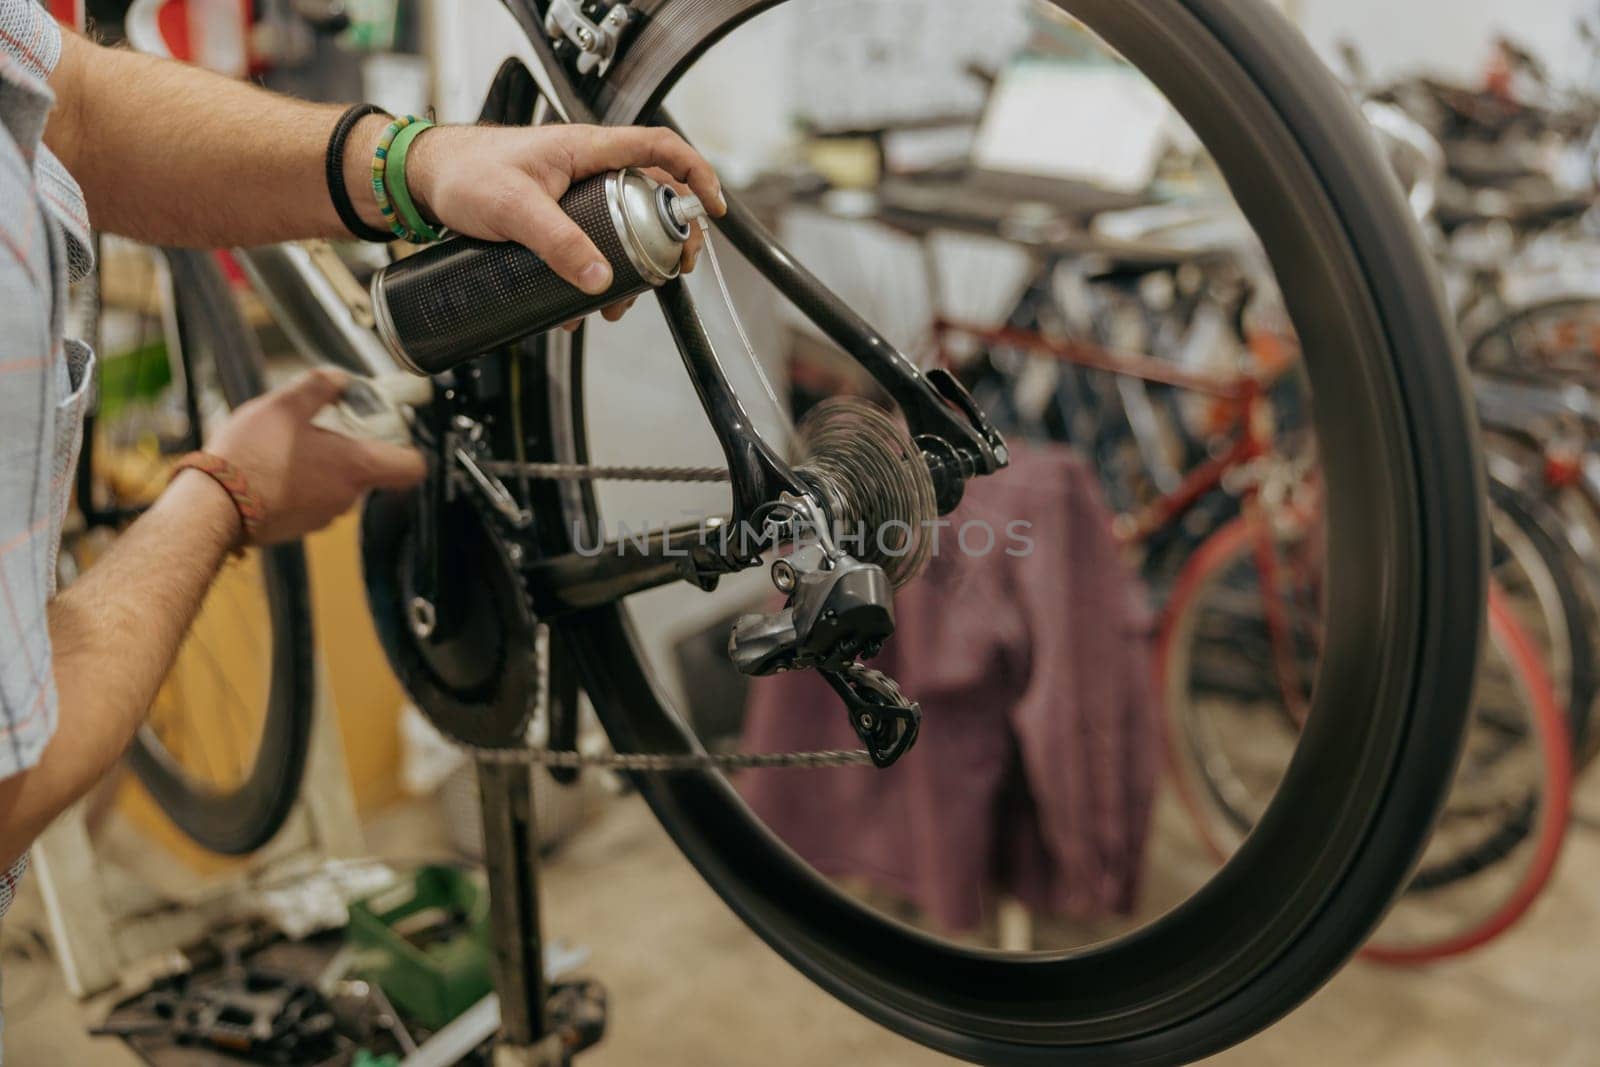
<point x="380" y="159"/>
<point x="395" y="184"/>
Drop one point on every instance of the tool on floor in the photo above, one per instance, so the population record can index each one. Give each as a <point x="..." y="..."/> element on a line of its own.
<point x="211" y="950"/>
<point x="362" y="1012"/>
<point x="424" y="942"/>
<point x="266" y="1016"/>
<point x="389" y="1019"/>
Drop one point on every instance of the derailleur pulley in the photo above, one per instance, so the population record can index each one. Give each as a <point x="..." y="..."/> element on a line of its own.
<point x="838" y="610"/>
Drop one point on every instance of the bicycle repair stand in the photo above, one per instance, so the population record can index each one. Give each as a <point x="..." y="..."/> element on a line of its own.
<point x="541" y="1025"/>
<point x="103" y="921"/>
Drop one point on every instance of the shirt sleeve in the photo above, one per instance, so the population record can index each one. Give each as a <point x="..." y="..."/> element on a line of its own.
<point x="34" y="377"/>
<point x="27" y="527"/>
<point x="28" y="530"/>
<point x="29" y="36"/>
<point x="31" y="363"/>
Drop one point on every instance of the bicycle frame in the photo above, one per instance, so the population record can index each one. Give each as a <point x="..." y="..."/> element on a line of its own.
<point x="1245" y="393"/>
<point x="1521" y="411"/>
<point x="956" y="440"/>
<point x="1249" y="440"/>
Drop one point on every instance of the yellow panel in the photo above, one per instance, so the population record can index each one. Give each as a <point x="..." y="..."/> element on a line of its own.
<point x="228" y="645"/>
<point x="365" y="691"/>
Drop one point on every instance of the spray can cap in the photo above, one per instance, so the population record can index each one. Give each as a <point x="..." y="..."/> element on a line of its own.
<point x="682" y="210"/>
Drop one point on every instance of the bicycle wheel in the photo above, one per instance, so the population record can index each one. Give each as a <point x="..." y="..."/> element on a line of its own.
<point x="1405" y="575"/>
<point x="1567" y="516"/>
<point x="1224" y="677"/>
<point x="224" y="748"/>
<point x="1552" y="340"/>
<point x="1542" y="579"/>
<point x="1519" y="721"/>
<point x="1535" y="571"/>
<point x="1232" y="729"/>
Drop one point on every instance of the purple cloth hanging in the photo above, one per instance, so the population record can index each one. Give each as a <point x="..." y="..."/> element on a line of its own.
<point x="1036" y="769"/>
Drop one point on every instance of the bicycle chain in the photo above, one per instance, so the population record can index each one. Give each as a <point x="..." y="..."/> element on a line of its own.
<point x="585" y="472"/>
<point x="665" y="762"/>
<point x="655" y="762"/>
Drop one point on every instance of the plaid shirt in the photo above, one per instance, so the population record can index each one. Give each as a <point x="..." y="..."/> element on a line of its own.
<point x="44" y="244"/>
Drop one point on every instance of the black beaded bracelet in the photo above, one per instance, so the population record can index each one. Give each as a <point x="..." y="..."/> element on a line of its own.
<point x="334" y="168"/>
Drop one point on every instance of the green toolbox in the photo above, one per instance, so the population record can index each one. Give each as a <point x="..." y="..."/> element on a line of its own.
<point x="425" y="942"/>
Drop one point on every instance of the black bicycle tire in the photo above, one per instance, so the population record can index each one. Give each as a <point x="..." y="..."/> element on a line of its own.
<point x="1277" y="124"/>
<point x="241" y="820"/>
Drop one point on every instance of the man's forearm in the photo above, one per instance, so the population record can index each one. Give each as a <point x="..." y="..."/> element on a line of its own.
<point x="115" y="633"/>
<point x="172" y="154"/>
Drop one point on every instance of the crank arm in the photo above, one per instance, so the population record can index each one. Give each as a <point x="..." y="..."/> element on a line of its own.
<point x="434" y="610"/>
<point x="422" y="612"/>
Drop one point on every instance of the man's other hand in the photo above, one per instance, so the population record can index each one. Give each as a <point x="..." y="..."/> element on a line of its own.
<point x="306" y="476"/>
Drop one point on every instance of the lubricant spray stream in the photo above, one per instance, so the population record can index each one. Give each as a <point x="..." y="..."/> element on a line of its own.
<point x="778" y="406"/>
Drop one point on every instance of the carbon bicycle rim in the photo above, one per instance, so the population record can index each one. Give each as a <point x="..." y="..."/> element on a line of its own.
<point x="1407" y="550"/>
<point x="230" y="790"/>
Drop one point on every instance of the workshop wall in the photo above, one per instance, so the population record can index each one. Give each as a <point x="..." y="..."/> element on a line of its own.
<point x="1450" y="37"/>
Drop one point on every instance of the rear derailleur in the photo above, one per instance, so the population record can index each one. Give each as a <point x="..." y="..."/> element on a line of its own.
<point x="838" y="609"/>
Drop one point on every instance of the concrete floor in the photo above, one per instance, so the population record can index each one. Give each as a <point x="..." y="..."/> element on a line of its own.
<point x="689" y="985"/>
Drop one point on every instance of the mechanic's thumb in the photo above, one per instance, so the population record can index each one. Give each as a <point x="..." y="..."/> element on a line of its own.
<point x="387" y="466"/>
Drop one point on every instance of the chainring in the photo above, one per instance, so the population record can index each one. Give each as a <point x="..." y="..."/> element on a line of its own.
<point x="477" y="680"/>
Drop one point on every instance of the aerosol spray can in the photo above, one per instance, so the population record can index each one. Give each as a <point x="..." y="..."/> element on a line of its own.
<point x="463" y="297"/>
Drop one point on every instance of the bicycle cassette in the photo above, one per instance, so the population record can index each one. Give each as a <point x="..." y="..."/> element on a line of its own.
<point x="472" y="666"/>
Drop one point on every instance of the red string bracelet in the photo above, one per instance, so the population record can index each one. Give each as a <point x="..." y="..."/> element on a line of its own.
<point x="234" y="483"/>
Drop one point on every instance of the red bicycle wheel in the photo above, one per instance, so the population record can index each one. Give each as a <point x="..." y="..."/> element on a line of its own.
<point x="1219" y="798"/>
<point x="1554" y="741"/>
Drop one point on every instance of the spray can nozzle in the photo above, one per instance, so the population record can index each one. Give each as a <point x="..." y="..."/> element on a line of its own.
<point x="680" y="210"/>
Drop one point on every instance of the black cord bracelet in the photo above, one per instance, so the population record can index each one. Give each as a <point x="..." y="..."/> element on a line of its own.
<point x="334" y="168"/>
